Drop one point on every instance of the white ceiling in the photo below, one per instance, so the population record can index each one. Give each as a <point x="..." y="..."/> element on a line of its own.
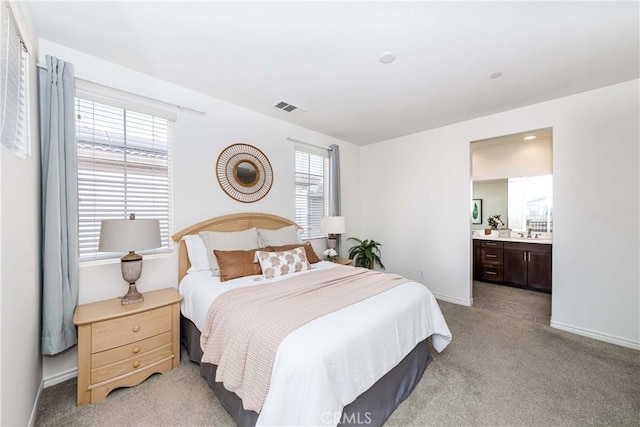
<point x="323" y="56"/>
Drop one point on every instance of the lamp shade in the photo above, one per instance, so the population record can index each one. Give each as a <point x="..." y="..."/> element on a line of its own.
<point x="126" y="235"/>
<point x="333" y="225"/>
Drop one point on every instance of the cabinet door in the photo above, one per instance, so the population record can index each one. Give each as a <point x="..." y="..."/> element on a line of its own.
<point x="540" y="270"/>
<point x="515" y="267"/>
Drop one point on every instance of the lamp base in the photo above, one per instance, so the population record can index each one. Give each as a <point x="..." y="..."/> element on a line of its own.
<point x="332" y="240"/>
<point x="132" y="296"/>
<point x="131" y="266"/>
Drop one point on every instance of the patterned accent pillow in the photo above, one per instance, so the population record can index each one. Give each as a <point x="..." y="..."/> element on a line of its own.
<point x="275" y="264"/>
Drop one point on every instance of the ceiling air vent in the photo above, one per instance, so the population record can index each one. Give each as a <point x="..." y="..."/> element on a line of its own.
<point x="290" y="108"/>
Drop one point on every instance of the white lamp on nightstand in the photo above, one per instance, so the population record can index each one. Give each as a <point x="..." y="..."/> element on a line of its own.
<point x="332" y="226"/>
<point x="129" y="235"/>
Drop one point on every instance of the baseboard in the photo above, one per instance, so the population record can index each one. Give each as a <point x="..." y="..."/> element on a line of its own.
<point x="34" y="411"/>
<point x="612" y="339"/>
<point x="60" y="377"/>
<point x="454" y="300"/>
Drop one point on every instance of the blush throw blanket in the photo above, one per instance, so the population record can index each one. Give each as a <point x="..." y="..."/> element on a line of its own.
<point x="245" y="326"/>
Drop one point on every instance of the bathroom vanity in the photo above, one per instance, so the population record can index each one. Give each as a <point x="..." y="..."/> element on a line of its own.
<point x="523" y="263"/>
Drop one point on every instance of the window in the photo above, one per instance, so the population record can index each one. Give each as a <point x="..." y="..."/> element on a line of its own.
<point x="311" y="191"/>
<point x="124" y="167"/>
<point x="14" y="95"/>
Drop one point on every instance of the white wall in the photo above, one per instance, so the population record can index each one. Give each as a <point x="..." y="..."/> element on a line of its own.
<point x="198" y="140"/>
<point x="524" y="158"/>
<point x="21" y="362"/>
<point x="420" y="208"/>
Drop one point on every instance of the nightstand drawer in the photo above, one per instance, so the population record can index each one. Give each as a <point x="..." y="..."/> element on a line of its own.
<point x="131" y="364"/>
<point x="130" y="350"/>
<point x="113" y="333"/>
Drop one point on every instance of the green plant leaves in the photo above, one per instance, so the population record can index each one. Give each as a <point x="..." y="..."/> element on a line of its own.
<point x="366" y="253"/>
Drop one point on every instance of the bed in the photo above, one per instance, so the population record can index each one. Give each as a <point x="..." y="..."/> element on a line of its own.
<point x="324" y="373"/>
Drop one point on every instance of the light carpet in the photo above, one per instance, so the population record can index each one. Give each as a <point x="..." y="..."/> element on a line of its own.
<point x="499" y="370"/>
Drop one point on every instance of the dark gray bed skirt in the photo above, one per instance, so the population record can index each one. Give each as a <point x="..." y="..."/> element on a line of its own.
<point x="371" y="408"/>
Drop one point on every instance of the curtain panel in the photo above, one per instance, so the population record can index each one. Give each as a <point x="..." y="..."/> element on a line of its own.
<point x="334" y="186"/>
<point x="59" y="198"/>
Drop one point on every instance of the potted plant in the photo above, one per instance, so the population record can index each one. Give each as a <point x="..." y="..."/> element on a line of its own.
<point x="366" y="253"/>
<point x="495" y="222"/>
<point x="331" y="254"/>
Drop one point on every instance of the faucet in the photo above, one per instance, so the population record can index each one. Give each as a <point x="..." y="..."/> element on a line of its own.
<point x="529" y="233"/>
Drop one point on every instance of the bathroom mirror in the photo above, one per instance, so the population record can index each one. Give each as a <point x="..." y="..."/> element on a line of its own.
<point x="244" y="173"/>
<point x="523" y="203"/>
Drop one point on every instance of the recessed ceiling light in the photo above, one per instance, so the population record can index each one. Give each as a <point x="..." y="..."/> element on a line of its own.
<point x="495" y="75"/>
<point x="387" y="57"/>
<point x="528" y="137"/>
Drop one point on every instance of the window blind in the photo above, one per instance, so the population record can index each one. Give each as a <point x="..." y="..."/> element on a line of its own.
<point x="14" y="95"/>
<point x="123" y="167"/>
<point x="311" y="197"/>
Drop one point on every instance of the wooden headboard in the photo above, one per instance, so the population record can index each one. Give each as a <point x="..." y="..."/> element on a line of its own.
<point x="233" y="222"/>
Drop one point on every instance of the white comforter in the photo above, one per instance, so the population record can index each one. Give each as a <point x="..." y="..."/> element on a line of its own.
<point x="326" y="364"/>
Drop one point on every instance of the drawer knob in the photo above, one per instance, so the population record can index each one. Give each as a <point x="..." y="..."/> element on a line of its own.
<point x="136" y="328"/>
<point x="136" y="364"/>
<point x="136" y="349"/>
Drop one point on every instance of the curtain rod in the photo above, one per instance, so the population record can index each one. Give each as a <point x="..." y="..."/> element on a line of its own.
<point x="308" y="143"/>
<point x="180" y="107"/>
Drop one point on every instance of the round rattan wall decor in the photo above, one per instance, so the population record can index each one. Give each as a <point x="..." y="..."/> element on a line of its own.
<point x="244" y="173"/>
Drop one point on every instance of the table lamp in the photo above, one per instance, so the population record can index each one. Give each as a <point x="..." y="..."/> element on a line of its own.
<point x="332" y="226"/>
<point x="129" y="235"/>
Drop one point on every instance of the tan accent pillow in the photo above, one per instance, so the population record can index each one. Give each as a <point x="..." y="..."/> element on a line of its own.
<point x="275" y="264"/>
<point x="311" y="255"/>
<point x="234" y="264"/>
<point x="228" y="241"/>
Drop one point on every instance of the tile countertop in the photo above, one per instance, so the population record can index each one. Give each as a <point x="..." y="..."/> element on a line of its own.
<point x="542" y="240"/>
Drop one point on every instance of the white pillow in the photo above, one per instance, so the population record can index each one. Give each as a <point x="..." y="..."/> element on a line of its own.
<point x="282" y="236"/>
<point x="275" y="264"/>
<point x="228" y="241"/>
<point x="197" y="253"/>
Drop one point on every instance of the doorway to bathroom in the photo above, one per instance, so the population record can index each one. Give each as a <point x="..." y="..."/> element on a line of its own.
<point x="512" y="224"/>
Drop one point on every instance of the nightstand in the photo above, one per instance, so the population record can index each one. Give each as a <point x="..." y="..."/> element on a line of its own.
<point x="343" y="261"/>
<point x="121" y="345"/>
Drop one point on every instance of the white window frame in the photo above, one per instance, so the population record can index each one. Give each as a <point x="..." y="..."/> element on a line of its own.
<point x="14" y="86"/>
<point x="310" y="221"/>
<point x="101" y="95"/>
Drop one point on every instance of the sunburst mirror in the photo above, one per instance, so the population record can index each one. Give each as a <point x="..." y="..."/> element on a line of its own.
<point x="244" y="173"/>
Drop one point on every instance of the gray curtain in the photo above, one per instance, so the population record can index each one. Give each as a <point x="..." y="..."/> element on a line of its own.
<point x="59" y="176"/>
<point x="334" y="185"/>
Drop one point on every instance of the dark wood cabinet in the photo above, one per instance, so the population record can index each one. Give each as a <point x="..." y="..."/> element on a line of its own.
<point x="539" y="269"/>
<point x="488" y="260"/>
<point x="524" y="265"/>
<point x="515" y="262"/>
